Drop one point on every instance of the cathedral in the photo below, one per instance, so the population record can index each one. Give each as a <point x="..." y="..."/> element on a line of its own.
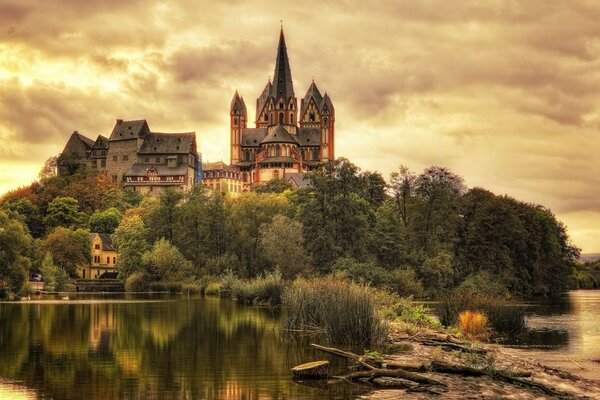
<point x="286" y="140"/>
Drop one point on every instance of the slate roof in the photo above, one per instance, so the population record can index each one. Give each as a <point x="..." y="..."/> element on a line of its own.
<point x="277" y="160"/>
<point x="282" y="78"/>
<point x="309" y="137"/>
<point x="312" y="92"/>
<point x="219" y="165"/>
<point x="251" y="137"/>
<point x="169" y="143"/>
<point x="124" y="130"/>
<point x="263" y="98"/>
<point x="297" y="179"/>
<point x="73" y="145"/>
<point x="326" y="104"/>
<point x="105" y="239"/>
<point x="239" y="102"/>
<point x="279" y="135"/>
<point x="87" y="141"/>
<point x="161" y="170"/>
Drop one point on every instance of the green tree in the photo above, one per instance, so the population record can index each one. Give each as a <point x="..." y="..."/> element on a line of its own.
<point x="15" y="244"/>
<point x="245" y="215"/>
<point x="30" y="214"/>
<point x="282" y="245"/>
<point x="403" y="187"/>
<point x="274" y="186"/>
<point x="162" y="218"/>
<point x="105" y="221"/>
<point x="389" y="238"/>
<point x="373" y="188"/>
<point x="55" y="278"/>
<point x="130" y="240"/>
<point x="68" y="248"/>
<point x="64" y="211"/>
<point x="165" y="263"/>
<point x="438" y="273"/>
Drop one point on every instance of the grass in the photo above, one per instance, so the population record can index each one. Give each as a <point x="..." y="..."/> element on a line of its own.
<point x="213" y="289"/>
<point x="264" y="290"/>
<point x="473" y="324"/>
<point x="345" y="312"/>
<point x="504" y="316"/>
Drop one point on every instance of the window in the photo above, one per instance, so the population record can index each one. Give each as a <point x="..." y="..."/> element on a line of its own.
<point x="281" y="118"/>
<point x="114" y="178"/>
<point x="147" y="159"/>
<point x="115" y="158"/>
<point x="103" y="163"/>
<point x="266" y="117"/>
<point x="276" y="174"/>
<point x="311" y="116"/>
<point x="125" y="158"/>
<point x="108" y="260"/>
<point x="281" y="105"/>
<point x="277" y="151"/>
<point x="157" y="159"/>
<point x="291" y="118"/>
<point x="97" y="247"/>
<point x="114" y="260"/>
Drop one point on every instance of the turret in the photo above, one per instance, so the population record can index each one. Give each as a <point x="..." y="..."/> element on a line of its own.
<point x="238" y="120"/>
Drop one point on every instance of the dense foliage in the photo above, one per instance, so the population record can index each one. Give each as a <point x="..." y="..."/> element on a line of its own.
<point x="421" y="234"/>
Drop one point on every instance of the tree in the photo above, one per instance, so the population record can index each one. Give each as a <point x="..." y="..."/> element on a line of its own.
<point x="282" y="245"/>
<point x="389" y="237"/>
<point x="69" y="249"/>
<point x="162" y="218"/>
<point x="130" y="240"/>
<point x="274" y="186"/>
<point x="403" y="186"/>
<point x="165" y="263"/>
<point x="245" y="215"/>
<point x="373" y="188"/>
<point x="15" y="244"/>
<point x="55" y="278"/>
<point x="438" y="273"/>
<point x="105" y="221"/>
<point x="30" y="214"/>
<point x="49" y="170"/>
<point x="64" y="211"/>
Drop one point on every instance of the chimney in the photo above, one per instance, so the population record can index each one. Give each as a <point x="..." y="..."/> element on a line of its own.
<point x="119" y="121"/>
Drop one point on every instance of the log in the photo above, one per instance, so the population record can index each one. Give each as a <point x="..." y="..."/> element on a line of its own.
<point x="391" y="373"/>
<point x="312" y="370"/>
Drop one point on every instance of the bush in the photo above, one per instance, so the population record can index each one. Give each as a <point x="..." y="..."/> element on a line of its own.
<point x="137" y="282"/>
<point x="473" y="324"/>
<point x="191" y="288"/>
<point x="405" y="282"/>
<point x="213" y="289"/>
<point x="266" y="289"/>
<point x="166" y="286"/>
<point x="505" y="317"/>
<point x="345" y="312"/>
<point x="228" y="281"/>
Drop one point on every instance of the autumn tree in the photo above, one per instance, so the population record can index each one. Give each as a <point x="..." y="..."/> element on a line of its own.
<point x="68" y="248"/>
<point x="64" y="212"/>
<point x="163" y="262"/>
<point x="105" y="221"/>
<point x="130" y="240"/>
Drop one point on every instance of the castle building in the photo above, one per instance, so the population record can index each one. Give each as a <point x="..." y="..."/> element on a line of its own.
<point x="136" y="157"/>
<point x="286" y="139"/>
<point x="222" y="178"/>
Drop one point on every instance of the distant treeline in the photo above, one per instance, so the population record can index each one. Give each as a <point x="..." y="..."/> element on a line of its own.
<point x="424" y="234"/>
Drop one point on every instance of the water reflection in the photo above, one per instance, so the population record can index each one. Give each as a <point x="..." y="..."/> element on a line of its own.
<point x="190" y="349"/>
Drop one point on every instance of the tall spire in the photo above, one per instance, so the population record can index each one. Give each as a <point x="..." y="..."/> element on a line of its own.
<point x="282" y="79"/>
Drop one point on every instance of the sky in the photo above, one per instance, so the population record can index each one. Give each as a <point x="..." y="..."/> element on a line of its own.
<point x="504" y="93"/>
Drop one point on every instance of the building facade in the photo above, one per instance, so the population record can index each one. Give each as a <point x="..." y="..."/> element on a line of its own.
<point x="222" y="178"/>
<point x="136" y="157"/>
<point x="104" y="257"/>
<point x="286" y="139"/>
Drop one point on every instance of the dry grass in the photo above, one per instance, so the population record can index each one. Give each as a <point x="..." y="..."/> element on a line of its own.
<point x="473" y="324"/>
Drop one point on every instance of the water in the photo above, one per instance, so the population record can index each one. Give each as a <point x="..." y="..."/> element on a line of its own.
<point x="151" y="348"/>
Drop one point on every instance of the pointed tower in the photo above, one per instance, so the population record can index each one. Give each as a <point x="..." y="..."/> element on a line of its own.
<point x="327" y="115"/>
<point x="284" y="109"/>
<point x="238" y="121"/>
<point x="262" y="107"/>
<point x="309" y="108"/>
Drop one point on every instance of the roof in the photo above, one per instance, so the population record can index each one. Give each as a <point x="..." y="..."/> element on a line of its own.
<point x="101" y="143"/>
<point x="105" y="239"/>
<point x="297" y="179"/>
<point x="253" y="136"/>
<point x="87" y="141"/>
<point x="169" y="143"/>
<point x="282" y="78"/>
<point x="238" y="104"/>
<point x="219" y="165"/>
<point x="78" y="145"/>
<point x="278" y="159"/>
<point x="245" y="163"/>
<point x="262" y="100"/>
<point x="309" y="137"/>
<point x="161" y="170"/>
<point x="279" y="135"/>
<point x="124" y="130"/>
<point x="311" y="93"/>
<point x="326" y="105"/>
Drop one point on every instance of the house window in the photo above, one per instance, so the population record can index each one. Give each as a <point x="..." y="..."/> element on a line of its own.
<point x="125" y="158"/>
<point x="114" y="178"/>
<point x="277" y="151"/>
<point x="311" y="116"/>
<point x="97" y="247"/>
<point x="114" y="260"/>
<point x="291" y="118"/>
<point x="115" y="158"/>
<point x="108" y="260"/>
<point x="103" y="163"/>
<point x="266" y="118"/>
<point x="147" y="159"/>
<point x="281" y="105"/>
<point x="157" y="159"/>
<point x="84" y="274"/>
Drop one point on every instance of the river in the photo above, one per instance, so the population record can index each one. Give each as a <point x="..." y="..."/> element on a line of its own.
<point x="172" y="347"/>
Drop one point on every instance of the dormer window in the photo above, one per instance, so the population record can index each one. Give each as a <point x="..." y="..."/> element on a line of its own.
<point x="266" y="118"/>
<point x="281" y="105"/>
<point x="311" y="116"/>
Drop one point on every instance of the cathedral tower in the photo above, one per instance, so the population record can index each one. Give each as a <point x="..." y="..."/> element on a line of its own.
<point x="238" y="115"/>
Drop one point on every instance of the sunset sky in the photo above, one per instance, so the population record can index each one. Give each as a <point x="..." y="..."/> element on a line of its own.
<point x="506" y="95"/>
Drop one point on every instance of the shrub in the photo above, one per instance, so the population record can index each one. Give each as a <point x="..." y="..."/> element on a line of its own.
<point x="137" y="282"/>
<point x="266" y="289"/>
<point x="473" y="324"/>
<point x="504" y="316"/>
<point x="166" y="286"/>
<point x="405" y="282"/>
<point x="345" y="312"/>
<point x="212" y="289"/>
<point x="228" y="281"/>
<point x="191" y="288"/>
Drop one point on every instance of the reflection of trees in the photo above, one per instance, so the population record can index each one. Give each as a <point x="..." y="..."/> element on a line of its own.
<point x="168" y="350"/>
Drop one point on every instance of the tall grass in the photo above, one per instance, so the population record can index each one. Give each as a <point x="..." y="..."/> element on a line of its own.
<point x="264" y="290"/>
<point x="345" y="312"/>
<point x="504" y="316"/>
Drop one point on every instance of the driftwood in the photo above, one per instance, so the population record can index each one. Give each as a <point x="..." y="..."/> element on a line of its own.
<point x="381" y="368"/>
<point x="312" y="370"/>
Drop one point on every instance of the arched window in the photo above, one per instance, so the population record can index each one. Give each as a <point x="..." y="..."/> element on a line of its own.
<point x="277" y="151"/>
<point x="311" y="116"/>
<point x="281" y="105"/>
<point x="292" y="118"/>
<point x="316" y="154"/>
<point x="276" y="174"/>
<point x="266" y="117"/>
<point x="281" y="118"/>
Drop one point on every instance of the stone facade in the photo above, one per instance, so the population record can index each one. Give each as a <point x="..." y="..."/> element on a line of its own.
<point x="222" y="178"/>
<point x="286" y="139"/>
<point x="136" y="157"/>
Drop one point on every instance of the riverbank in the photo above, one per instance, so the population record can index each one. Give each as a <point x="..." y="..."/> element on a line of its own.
<point x="562" y="382"/>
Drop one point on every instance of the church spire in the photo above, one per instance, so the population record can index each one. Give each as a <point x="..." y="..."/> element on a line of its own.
<point x="282" y="79"/>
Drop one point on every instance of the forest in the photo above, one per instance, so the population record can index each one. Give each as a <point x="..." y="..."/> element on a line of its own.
<point x="421" y="234"/>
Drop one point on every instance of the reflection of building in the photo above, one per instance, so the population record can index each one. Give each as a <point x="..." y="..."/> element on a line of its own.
<point x="102" y="324"/>
<point x="136" y="157"/>
<point x="286" y="138"/>
<point x="221" y="177"/>
<point x="104" y="257"/>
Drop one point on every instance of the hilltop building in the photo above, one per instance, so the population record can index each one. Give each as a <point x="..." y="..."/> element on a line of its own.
<point x="285" y="139"/>
<point x="104" y="257"/>
<point x="136" y="157"/>
<point x="222" y="178"/>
